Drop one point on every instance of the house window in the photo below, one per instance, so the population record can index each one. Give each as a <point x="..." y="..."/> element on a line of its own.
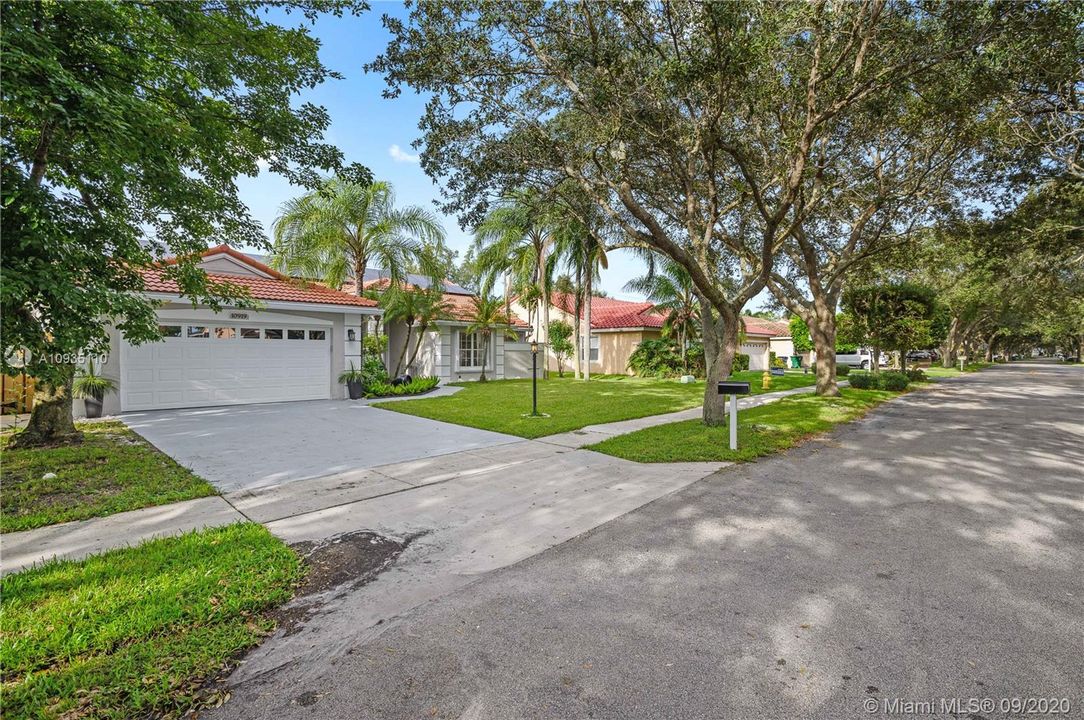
<point x="470" y="350"/>
<point x="594" y="347"/>
<point x="199" y="331"/>
<point x="317" y="334"/>
<point x="272" y="333"/>
<point x="170" y="330"/>
<point x="295" y="334"/>
<point x="250" y="333"/>
<point x="225" y="333"/>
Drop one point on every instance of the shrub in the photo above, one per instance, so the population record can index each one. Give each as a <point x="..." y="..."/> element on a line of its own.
<point x="741" y="362"/>
<point x="656" y="358"/>
<point x="373" y="371"/>
<point x="894" y="381"/>
<point x="843" y="370"/>
<point x="916" y="375"/>
<point x="414" y="387"/>
<point x="862" y="381"/>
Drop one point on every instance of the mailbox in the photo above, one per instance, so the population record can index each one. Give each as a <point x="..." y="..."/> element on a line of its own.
<point x="733" y="388"/>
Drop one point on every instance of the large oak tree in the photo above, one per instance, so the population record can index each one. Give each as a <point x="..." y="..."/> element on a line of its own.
<point x="125" y="127"/>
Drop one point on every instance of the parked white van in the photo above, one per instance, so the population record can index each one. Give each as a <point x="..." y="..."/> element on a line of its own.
<point x="860" y="358"/>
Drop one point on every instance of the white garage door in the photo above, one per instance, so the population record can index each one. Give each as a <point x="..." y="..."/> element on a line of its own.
<point x="201" y="363"/>
<point x="758" y="354"/>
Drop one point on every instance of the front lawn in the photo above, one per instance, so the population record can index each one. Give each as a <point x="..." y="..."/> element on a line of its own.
<point x="761" y="430"/>
<point x="499" y="405"/>
<point x="136" y="631"/>
<point x="112" y="470"/>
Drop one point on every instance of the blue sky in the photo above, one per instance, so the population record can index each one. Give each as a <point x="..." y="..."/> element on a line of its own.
<point x="378" y="133"/>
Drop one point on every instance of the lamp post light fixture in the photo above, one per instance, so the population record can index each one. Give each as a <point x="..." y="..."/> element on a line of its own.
<point x="534" y="378"/>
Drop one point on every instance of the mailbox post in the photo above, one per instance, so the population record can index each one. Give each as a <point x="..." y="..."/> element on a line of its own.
<point x="733" y="389"/>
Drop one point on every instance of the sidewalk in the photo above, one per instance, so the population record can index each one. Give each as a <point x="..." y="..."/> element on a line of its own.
<point x="74" y="540"/>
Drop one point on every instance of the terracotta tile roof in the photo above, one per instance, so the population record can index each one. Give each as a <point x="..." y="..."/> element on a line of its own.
<point x="460" y="306"/>
<point x="612" y="314"/>
<point x="277" y="287"/>
<point x="770" y="328"/>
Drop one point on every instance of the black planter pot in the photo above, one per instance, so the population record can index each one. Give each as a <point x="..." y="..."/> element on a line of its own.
<point x="93" y="407"/>
<point x="356" y="389"/>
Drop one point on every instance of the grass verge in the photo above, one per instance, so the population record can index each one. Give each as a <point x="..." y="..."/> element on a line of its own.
<point x="570" y="404"/>
<point x="761" y="431"/>
<point x="135" y="632"/>
<point x="937" y="371"/>
<point x="111" y="471"/>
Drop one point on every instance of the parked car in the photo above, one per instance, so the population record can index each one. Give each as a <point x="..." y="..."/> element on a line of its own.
<point x="922" y="355"/>
<point x="860" y="358"/>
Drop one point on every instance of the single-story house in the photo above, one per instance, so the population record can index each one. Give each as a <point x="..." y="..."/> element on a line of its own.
<point x="448" y="351"/>
<point x="618" y="326"/>
<point x="292" y="348"/>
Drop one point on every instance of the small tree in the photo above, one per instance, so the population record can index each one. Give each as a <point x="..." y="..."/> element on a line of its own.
<point x="560" y="343"/>
<point x="799" y="335"/>
<point x="487" y="317"/>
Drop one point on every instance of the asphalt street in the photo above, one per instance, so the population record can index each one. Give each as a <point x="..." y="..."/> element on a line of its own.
<point x="931" y="552"/>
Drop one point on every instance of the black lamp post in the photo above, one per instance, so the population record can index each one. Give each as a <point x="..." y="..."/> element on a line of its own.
<point x="534" y="378"/>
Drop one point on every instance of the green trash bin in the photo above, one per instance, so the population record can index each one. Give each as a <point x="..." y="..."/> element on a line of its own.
<point x="796" y="361"/>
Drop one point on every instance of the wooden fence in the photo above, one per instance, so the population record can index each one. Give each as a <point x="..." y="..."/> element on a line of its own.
<point x="18" y="393"/>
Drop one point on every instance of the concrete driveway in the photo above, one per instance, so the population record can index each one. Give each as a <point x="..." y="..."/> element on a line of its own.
<point x="249" y="446"/>
<point x="934" y="550"/>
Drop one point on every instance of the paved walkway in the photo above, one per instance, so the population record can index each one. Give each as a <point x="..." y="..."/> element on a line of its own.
<point x="934" y="549"/>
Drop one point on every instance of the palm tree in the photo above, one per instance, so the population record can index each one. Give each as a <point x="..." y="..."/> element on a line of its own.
<point x="515" y="240"/>
<point x="668" y="285"/>
<point x="343" y="227"/>
<point x="584" y="253"/>
<point x="487" y="316"/>
<point x="419" y="307"/>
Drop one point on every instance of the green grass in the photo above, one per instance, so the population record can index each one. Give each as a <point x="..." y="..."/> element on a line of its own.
<point x="761" y="430"/>
<point x="135" y="632"/>
<point x="499" y="405"/>
<point x="112" y="470"/>
<point x="937" y="371"/>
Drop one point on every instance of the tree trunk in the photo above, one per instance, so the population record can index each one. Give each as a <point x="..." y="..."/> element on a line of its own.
<point x="875" y="359"/>
<point x="903" y="361"/>
<point x="51" y="420"/>
<point x="822" y="328"/>
<point x="417" y="344"/>
<point x="485" y="356"/>
<point x="577" y="332"/>
<point x="587" y="322"/>
<point x="546" y="319"/>
<point x="359" y="277"/>
<point x="989" y="355"/>
<point x="720" y="348"/>
<point x="406" y="345"/>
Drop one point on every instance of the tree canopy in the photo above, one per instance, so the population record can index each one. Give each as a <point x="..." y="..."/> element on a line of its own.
<point x="125" y="128"/>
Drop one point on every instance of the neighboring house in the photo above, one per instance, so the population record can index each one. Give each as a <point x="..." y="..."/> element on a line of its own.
<point x="448" y="351"/>
<point x="618" y="326"/>
<point x="763" y="337"/>
<point x="292" y="348"/>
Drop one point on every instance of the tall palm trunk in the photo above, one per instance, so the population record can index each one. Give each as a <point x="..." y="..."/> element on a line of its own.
<point x="406" y="345"/>
<point x="485" y="356"/>
<point x="578" y="325"/>
<point x="587" y="277"/>
<point x="417" y="344"/>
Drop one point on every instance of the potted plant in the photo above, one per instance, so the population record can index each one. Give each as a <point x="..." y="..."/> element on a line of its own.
<point x="354" y="379"/>
<point x="91" y="388"/>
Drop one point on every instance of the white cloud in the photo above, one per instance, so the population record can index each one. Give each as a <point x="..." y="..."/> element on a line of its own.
<point x="399" y="155"/>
